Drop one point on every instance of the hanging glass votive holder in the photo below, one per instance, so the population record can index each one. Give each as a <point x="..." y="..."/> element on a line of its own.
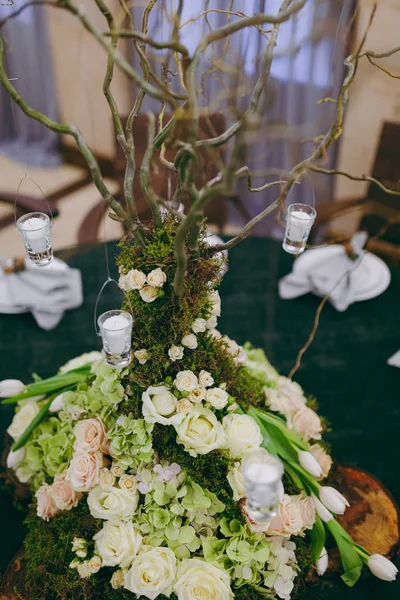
<point x="116" y="332"/>
<point x="35" y="231"/>
<point x="262" y="474"/>
<point x="299" y="220"/>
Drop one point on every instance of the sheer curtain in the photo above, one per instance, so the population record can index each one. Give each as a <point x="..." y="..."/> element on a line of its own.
<point x="307" y="66"/>
<point x="28" y="62"/>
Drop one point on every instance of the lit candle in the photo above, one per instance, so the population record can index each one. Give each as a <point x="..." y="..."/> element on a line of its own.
<point x="115" y="333"/>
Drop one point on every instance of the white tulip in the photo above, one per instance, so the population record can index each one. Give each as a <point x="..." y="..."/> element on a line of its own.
<point x="322" y="562"/>
<point x="333" y="500"/>
<point x="57" y="404"/>
<point x="14" y="458"/>
<point x="322" y="511"/>
<point x="309" y="463"/>
<point x="11" y="387"/>
<point x="382" y="568"/>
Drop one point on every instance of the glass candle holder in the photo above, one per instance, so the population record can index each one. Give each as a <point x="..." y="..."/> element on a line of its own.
<point x="299" y="220"/>
<point x="116" y="332"/>
<point x="262" y="474"/>
<point x="35" y="231"/>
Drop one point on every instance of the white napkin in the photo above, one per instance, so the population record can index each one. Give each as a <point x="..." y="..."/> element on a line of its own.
<point x="332" y="276"/>
<point x="45" y="291"/>
<point x="394" y="361"/>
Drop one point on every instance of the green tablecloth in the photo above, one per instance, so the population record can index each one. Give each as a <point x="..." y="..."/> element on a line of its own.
<point x="345" y="368"/>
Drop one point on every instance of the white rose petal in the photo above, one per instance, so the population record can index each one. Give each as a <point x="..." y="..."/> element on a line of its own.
<point x="243" y="434"/>
<point x="11" y="387"/>
<point x="118" y="543"/>
<point x="200" y="432"/>
<point x="22" y="419"/>
<point x="206" y="379"/>
<point x="176" y="353"/>
<point x="217" y="397"/>
<point x="186" y="381"/>
<point x="142" y="355"/>
<point x="148" y="293"/>
<point x="159" y="406"/>
<point x="199" y="326"/>
<point x="152" y="573"/>
<point x="112" y="503"/>
<point x="198" y="580"/>
<point x="156" y="278"/>
<point x="215" y="302"/>
<point x="190" y="341"/>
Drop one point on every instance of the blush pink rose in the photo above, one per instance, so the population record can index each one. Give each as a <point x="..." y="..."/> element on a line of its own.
<point x="89" y="435"/>
<point x="84" y="470"/>
<point x="307" y="423"/>
<point x="323" y="458"/>
<point x="277" y="401"/>
<point x="46" y="506"/>
<point x="307" y="509"/>
<point x="64" y="496"/>
<point x="289" y="520"/>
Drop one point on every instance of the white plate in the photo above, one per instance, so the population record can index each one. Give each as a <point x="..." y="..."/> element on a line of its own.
<point x="370" y="278"/>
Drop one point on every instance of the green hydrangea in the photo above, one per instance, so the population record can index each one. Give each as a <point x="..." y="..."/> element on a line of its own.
<point x="131" y="441"/>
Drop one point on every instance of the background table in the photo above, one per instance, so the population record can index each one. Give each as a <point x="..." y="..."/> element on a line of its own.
<point x="345" y="368"/>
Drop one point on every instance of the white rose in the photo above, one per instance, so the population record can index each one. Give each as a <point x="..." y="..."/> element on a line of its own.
<point x="95" y="564"/>
<point x="148" y="293"/>
<point x="186" y="381"/>
<point x="243" y="434"/>
<point x="235" y="478"/>
<point x="199" y="325"/>
<point x="215" y="302"/>
<point x="211" y="323"/>
<point x="134" y="279"/>
<point x="200" y="432"/>
<point x="117" y="543"/>
<point x="11" y="387"/>
<point x="190" y="341"/>
<point x="84" y="570"/>
<point x="152" y="573"/>
<point x="217" y="398"/>
<point x="198" y="579"/>
<point x="112" y="503"/>
<point x="106" y="478"/>
<point x="205" y="379"/>
<point x="156" y="278"/>
<point x="117" y="470"/>
<point x="175" y="353"/>
<point x="127" y="482"/>
<point x="117" y="579"/>
<point x="142" y="355"/>
<point x="159" y="406"/>
<point x="198" y="394"/>
<point x="184" y="406"/>
<point x="22" y="419"/>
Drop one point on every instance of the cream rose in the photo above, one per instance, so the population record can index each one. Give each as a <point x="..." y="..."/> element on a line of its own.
<point x="276" y="401"/>
<point x="199" y="580"/>
<point x="22" y="419"/>
<point x="215" y="302"/>
<point x="142" y="356"/>
<point x="89" y="435"/>
<point x="199" y="325"/>
<point x="289" y="520"/>
<point x="84" y="470"/>
<point x="307" y="423"/>
<point x="198" y="394"/>
<point x="135" y="279"/>
<point x="307" y="508"/>
<point x="176" y="353"/>
<point x="217" y="397"/>
<point x="211" y="323"/>
<point x="84" y="570"/>
<point x="156" y="278"/>
<point x="186" y="381"/>
<point x="159" y="406"/>
<point x="107" y="479"/>
<point x="238" y="352"/>
<point x="200" y="432"/>
<point x="323" y="459"/>
<point x="64" y="496"/>
<point x="46" y="506"/>
<point x="95" y="564"/>
<point x="190" y="341"/>
<point x="117" y="579"/>
<point x="236" y="481"/>
<point x="206" y="379"/>
<point x="243" y="434"/>
<point x="112" y="503"/>
<point x="128" y="482"/>
<point x="152" y="573"/>
<point x="117" y="543"/>
<point x="148" y="293"/>
<point x="184" y="406"/>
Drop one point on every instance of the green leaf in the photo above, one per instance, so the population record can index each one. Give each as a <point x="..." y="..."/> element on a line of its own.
<point x="351" y="561"/>
<point x="318" y="538"/>
<point x="279" y="423"/>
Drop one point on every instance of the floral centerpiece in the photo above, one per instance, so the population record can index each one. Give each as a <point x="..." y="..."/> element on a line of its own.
<point x="137" y="472"/>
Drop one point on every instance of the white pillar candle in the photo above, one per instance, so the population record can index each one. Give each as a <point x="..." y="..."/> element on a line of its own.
<point x="35" y="233"/>
<point x="115" y="331"/>
<point x="299" y="225"/>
